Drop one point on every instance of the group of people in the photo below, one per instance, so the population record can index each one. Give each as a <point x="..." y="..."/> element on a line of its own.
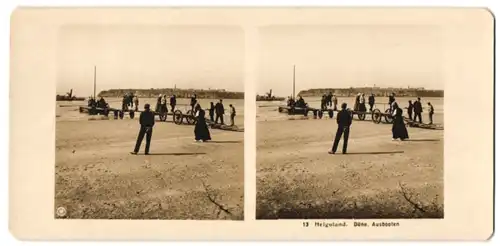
<point x="130" y="101"/>
<point x="101" y="103"/>
<point x="415" y="110"/>
<point x="399" y="131"/>
<point x="161" y="103"/>
<point x="360" y="102"/>
<point x="329" y="100"/>
<point x="344" y="121"/>
<point x="201" y="131"/>
<point x="300" y="103"/>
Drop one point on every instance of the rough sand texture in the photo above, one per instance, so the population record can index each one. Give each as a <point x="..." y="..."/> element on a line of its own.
<point x="379" y="178"/>
<point x="97" y="178"/>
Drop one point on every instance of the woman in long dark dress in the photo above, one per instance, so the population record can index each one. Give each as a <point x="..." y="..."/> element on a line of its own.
<point x="398" y="124"/>
<point x="201" y="132"/>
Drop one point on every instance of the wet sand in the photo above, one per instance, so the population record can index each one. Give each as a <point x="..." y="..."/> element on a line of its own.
<point x="97" y="178"/>
<point x="378" y="178"/>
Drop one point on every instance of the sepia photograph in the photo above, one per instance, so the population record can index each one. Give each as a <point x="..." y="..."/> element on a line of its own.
<point x="350" y="122"/>
<point x="149" y="122"/>
<point x="255" y="123"/>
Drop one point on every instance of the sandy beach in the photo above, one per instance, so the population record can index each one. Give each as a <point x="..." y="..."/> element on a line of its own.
<point x="378" y="178"/>
<point x="97" y="178"/>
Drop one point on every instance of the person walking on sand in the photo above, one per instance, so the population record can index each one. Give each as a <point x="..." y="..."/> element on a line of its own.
<point x="431" y="112"/>
<point x="147" y="121"/>
<point x="417" y="110"/>
<point x="398" y="124"/>
<point x="201" y="132"/>
<point x="219" y="112"/>
<point x="232" y="112"/>
<point x="410" y="110"/>
<point x="211" y="111"/>
<point x="344" y="121"/>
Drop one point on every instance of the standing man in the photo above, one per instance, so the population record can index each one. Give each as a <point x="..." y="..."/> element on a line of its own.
<point x="136" y="103"/>
<point x="125" y="103"/>
<point x="371" y="101"/>
<point x="410" y="110"/>
<point x="147" y="121"/>
<point x="431" y="112"/>
<point x="232" y="112"/>
<point x="219" y="112"/>
<point x="211" y="111"/>
<point x="323" y="102"/>
<point x="335" y="102"/>
<point x="417" y="109"/>
<point x="344" y="120"/>
<point x="329" y="99"/>
<point x="173" y="102"/>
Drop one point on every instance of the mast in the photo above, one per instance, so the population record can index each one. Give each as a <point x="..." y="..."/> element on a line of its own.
<point x="293" y="82"/>
<point x="94" y="79"/>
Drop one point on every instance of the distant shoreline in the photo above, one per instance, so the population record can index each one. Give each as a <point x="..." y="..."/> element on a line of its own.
<point x="377" y="91"/>
<point x="179" y="93"/>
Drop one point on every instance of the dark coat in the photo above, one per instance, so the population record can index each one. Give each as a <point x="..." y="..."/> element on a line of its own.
<point x="201" y="131"/>
<point x="344" y="118"/>
<point x="193" y="101"/>
<point x="219" y="108"/>
<point x="147" y="119"/>
<point x="410" y="108"/>
<point x="211" y="110"/>
<point x="398" y="126"/>
<point x="371" y="100"/>
<point x="417" y="107"/>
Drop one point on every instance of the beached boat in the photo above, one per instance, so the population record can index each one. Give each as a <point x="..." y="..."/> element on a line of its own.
<point x="269" y="97"/>
<point x="69" y="97"/>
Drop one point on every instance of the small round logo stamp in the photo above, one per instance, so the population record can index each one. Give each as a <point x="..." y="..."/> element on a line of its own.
<point x="61" y="212"/>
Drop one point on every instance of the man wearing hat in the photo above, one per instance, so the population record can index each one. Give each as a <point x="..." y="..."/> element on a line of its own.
<point x="147" y="121"/>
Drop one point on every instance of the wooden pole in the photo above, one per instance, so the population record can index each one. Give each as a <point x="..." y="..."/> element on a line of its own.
<point x="94" y="79"/>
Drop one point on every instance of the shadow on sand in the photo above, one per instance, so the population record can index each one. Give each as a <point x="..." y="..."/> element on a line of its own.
<point x="422" y="140"/>
<point x="174" y="154"/>
<point x="375" y="153"/>
<point x="224" y="142"/>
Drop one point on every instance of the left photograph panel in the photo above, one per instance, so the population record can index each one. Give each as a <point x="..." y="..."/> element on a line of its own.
<point x="149" y="122"/>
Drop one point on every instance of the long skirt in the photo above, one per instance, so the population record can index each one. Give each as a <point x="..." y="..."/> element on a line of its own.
<point x="399" y="130"/>
<point x="201" y="131"/>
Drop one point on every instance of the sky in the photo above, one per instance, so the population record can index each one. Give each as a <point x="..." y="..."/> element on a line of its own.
<point x="144" y="57"/>
<point x="349" y="56"/>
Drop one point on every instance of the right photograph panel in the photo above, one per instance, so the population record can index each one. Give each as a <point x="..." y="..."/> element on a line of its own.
<point x="350" y="122"/>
